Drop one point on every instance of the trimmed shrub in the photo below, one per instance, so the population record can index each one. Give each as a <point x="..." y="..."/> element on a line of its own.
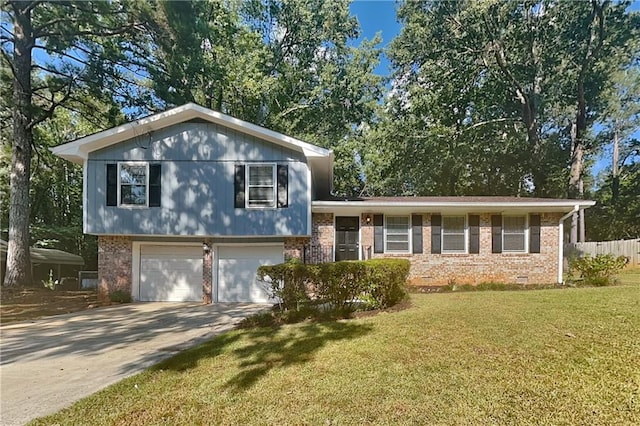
<point x="340" y="283"/>
<point x="385" y="281"/>
<point x="378" y="283"/>
<point x="598" y="271"/>
<point x="286" y="282"/>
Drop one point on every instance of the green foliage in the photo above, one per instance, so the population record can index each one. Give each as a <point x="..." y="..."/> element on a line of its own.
<point x="120" y="296"/>
<point x="385" y="281"/>
<point x="344" y="285"/>
<point x="491" y="98"/>
<point x="599" y="270"/>
<point x="286" y="282"/>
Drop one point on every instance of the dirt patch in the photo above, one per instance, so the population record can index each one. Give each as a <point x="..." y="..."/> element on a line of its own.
<point x="28" y="303"/>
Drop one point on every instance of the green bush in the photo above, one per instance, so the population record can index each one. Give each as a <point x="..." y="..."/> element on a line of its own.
<point x="120" y="296"/>
<point x="385" y="281"/>
<point x="340" y="283"/>
<point x="286" y="282"/>
<point x="598" y="271"/>
<point x="378" y="283"/>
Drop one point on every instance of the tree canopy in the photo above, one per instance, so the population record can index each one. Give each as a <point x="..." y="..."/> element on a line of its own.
<point x="492" y="97"/>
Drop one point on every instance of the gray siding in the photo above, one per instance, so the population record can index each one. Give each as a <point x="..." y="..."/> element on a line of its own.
<point x="198" y="162"/>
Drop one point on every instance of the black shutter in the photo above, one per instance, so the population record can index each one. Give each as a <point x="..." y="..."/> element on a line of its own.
<point x="474" y="233"/>
<point x="239" y="187"/>
<point x="436" y="237"/>
<point x="496" y="233"/>
<point x="155" y="185"/>
<point x="534" y="233"/>
<point x="378" y="233"/>
<point x="283" y="186"/>
<point x="112" y="184"/>
<point x="416" y="229"/>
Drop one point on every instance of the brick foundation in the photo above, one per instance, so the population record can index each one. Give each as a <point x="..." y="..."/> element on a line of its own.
<point x="114" y="265"/>
<point x="442" y="269"/>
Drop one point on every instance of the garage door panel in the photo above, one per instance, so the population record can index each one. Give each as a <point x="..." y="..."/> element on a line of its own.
<point x="237" y="268"/>
<point x="170" y="273"/>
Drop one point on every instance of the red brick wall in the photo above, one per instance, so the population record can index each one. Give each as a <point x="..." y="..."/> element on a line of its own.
<point x="207" y="274"/>
<point x="323" y="232"/>
<point x="294" y="246"/>
<point x="441" y="269"/>
<point x="114" y="265"/>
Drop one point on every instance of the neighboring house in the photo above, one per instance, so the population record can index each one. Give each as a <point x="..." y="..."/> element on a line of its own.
<point x="45" y="261"/>
<point x="188" y="203"/>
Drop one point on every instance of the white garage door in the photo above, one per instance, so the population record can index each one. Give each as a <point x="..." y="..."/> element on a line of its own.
<point x="170" y="273"/>
<point x="237" y="267"/>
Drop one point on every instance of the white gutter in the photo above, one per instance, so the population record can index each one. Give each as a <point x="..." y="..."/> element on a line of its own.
<point x="321" y="205"/>
<point x="576" y="209"/>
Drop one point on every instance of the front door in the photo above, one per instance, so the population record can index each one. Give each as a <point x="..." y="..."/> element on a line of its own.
<point x="347" y="237"/>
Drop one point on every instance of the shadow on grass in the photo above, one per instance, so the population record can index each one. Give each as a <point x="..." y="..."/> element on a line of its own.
<point x="264" y="349"/>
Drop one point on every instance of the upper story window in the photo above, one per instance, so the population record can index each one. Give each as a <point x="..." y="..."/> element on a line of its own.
<point x="133" y="184"/>
<point x="261" y="185"/>
<point x="397" y="234"/>
<point x="453" y="234"/>
<point x="514" y="234"/>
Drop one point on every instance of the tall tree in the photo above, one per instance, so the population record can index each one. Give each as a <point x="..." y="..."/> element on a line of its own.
<point x="290" y="66"/>
<point x="83" y="45"/>
<point x="524" y="77"/>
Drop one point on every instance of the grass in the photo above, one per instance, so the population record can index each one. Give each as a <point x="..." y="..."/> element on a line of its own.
<point x="538" y="357"/>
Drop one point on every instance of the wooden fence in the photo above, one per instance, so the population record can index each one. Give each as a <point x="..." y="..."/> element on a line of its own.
<point x="628" y="248"/>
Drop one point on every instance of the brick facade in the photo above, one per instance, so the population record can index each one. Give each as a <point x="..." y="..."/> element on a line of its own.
<point x="114" y="265"/>
<point x="207" y="273"/>
<point x="323" y="229"/>
<point x="442" y="269"/>
<point x="294" y="247"/>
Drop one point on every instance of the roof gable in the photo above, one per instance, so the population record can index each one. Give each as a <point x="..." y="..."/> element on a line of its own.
<point x="77" y="151"/>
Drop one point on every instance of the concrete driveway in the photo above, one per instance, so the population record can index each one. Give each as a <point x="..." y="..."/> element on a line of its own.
<point x="48" y="364"/>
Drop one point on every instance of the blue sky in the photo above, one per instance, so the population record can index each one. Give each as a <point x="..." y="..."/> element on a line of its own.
<point x="377" y="17"/>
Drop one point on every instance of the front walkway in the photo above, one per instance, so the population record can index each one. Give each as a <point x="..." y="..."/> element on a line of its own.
<point x="48" y="364"/>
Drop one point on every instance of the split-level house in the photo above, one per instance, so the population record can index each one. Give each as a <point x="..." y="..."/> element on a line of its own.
<point x="187" y="203"/>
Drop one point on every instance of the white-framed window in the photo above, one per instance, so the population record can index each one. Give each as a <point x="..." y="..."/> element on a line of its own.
<point x="454" y="234"/>
<point x="514" y="234"/>
<point x="397" y="234"/>
<point x="133" y="184"/>
<point x="261" y="185"/>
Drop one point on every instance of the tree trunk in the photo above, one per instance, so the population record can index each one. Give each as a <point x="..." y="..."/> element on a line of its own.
<point x="615" y="178"/>
<point x="18" y="258"/>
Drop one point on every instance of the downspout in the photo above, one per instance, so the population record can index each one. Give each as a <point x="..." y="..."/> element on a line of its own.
<point x="576" y="209"/>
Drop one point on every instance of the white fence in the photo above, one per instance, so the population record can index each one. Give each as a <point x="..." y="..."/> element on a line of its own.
<point x="628" y="248"/>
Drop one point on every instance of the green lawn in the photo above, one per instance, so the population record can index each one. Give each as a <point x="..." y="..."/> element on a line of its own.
<point x="567" y="356"/>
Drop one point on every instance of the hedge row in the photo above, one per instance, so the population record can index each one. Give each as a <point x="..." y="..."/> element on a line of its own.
<point x="378" y="283"/>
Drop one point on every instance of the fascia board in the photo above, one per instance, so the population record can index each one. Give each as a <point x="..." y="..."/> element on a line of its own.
<point x="78" y="150"/>
<point x="370" y="206"/>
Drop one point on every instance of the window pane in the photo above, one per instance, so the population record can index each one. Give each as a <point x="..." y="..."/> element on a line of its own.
<point x="514" y="242"/>
<point x="453" y="224"/>
<point x="397" y="237"/>
<point x="514" y="224"/>
<point x="133" y="194"/>
<point x="453" y="242"/>
<point x="397" y="246"/>
<point x="261" y="175"/>
<point x="397" y="233"/>
<point x="397" y="222"/>
<point x="260" y="193"/>
<point x="133" y="174"/>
